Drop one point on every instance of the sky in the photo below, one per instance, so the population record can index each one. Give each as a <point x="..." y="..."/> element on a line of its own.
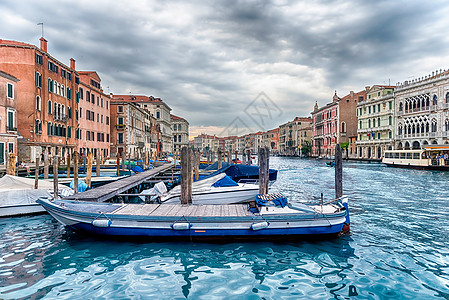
<point x="233" y="67"/>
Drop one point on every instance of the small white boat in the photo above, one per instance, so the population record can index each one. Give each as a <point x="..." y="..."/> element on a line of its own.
<point x="18" y="196"/>
<point x="219" y="189"/>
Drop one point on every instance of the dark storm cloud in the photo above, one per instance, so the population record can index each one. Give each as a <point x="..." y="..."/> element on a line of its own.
<point x="209" y="61"/>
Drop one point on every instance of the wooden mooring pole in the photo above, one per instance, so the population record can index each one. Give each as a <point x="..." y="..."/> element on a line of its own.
<point x="243" y="158"/>
<point x="55" y="176"/>
<point x="220" y="158"/>
<point x="75" y="172"/>
<point x="11" y="166"/>
<point x="338" y="172"/>
<point x="46" y="164"/>
<point x="196" y="164"/>
<point x="68" y="165"/>
<point x="186" y="175"/>
<point x="118" y="165"/>
<point x="263" y="170"/>
<point x="97" y="165"/>
<point x="36" y="173"/>
<point x="89" y="169"/>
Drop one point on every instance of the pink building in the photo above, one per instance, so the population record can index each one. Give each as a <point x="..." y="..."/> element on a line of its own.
<point x="8" y="115"/>
<point x="93" y="116"/>
<point x="324" y="129"/>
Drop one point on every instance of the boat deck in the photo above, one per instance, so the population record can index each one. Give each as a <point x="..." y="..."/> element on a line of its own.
<point x="173" y="210"/>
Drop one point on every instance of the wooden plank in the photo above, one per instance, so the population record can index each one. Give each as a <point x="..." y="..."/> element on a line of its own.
<point x="108" y="191"/>
<point x="176" y="209"/>
<point x="200" y="211"/>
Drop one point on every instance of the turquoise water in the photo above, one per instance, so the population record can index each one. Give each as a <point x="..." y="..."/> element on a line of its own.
<point x="398" y="249"/>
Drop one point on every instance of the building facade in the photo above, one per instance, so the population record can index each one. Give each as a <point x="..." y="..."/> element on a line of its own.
<point x="161" y="111"/>
<point x="422" y="111"/>
<point x="46" y="101"/>
<point x="8" y="116"/>
<point x="375" y="122"/>
<point x="129" y="130"/>
<point x="93" y="116"/>
<point x="293" y="136"/>
<point x="335" y="123"/>
<point x="180" y="129"/>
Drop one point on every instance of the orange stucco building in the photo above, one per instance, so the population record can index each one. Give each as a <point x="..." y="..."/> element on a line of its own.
<point x="46" y="100"/>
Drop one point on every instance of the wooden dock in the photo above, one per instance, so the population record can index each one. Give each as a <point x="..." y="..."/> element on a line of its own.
<point x="108" y="191"/>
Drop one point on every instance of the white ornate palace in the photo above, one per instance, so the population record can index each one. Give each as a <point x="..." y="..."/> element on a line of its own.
<point x="422" y="111"/>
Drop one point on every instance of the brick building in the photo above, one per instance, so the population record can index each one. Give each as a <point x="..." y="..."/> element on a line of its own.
<point x="46" y="100"/>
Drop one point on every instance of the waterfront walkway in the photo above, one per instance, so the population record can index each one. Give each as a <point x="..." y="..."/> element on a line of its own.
<point x="108" y="191"/>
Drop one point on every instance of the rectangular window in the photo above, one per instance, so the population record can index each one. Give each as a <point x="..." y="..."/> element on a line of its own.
<point x="39" y="59"/>
<point x="120" y="138"/>
<point x="81" y="93"/>
<point x="10" y="147"/>
<point x="101" y="102"/>
<point x="77" y="80"/>
<point x="11" y="120"/>
<point x="10" y="91"/>
<point x="98" y="118"/>
<point x="120" y="121"/>
<point x="107" y="104"/>
<point x="69" y="94"/>
<point x="38" y="79"/>
<point x="81" y="112"/>
<point x="107" y="137"/>
<point x="107" y="120"/>
<point x="92" y="98"/>
<point x="120" y="109"/>
<point x="390" y="105"/>
<point x="87" y="96"/>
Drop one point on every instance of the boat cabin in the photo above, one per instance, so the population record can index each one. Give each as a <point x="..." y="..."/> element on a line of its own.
<point x="430" y="156"/>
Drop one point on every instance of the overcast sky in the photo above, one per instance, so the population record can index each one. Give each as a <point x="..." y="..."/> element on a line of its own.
<point x="209" y="60"/>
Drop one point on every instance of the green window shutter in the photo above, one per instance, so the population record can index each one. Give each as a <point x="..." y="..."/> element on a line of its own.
<point x="10" y="91"/>
<point x="10" y="120"/>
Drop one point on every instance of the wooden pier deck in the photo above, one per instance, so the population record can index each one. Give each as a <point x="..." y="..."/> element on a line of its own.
<point x="178" y="210"/>
<point x="108" y="191"/>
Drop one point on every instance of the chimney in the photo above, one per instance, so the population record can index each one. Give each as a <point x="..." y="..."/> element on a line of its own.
<point x="352" y="94"/>
<point x="72" y="64"/>
<point x="43" y="44"/>
<point x="367" y="88"/>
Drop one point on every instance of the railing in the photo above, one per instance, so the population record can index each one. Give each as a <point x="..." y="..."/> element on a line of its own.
<point x="120" y="126"/>
<point x="60" y="117"/>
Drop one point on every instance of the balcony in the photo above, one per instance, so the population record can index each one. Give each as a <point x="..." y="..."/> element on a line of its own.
<point x="343" y="134"/>
<point x="120" y="126"/>
<point x="9" y="128"/>
<point x="60" y="117"/>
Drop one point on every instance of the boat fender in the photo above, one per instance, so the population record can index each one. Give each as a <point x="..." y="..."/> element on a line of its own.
<point x="260" y="225"/>
<point x="181" y="226"/>
<point x="101" y="223"/>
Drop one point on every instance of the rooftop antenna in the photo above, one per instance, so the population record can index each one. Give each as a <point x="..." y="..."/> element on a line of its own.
<point x="42" y="26"/>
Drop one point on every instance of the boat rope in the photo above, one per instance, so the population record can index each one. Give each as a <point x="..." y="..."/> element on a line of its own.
<point x="102" y="214"/>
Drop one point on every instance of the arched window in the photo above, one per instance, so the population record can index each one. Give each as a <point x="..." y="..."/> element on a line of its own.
<point x="38" y="126"/>
<point x="49" y="107"/>
<point x="343" y="127"/>
<point x="447" y="97"/>
<point x="435" y="100"/>
<point x="434" y="125"/>
<point x="446" y="125"/>
<point x="50" y="85"/>
<point x="400" y="129"/>
<point x="38" y="103"/>
<point x="401" y="106"/>
<point x="406" y="106"/>
<point x="390" y="120"/>
<point x="427" y="126"/>
<point x="62" y="90"/>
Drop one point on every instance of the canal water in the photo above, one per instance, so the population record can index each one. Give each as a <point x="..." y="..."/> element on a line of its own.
<point x="398" y="249"/>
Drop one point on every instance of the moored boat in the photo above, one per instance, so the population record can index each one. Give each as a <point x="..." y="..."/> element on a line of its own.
<point x="236" y="221"/>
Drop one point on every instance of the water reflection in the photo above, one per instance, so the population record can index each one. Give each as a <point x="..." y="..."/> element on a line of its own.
<point x="398" y="249"/>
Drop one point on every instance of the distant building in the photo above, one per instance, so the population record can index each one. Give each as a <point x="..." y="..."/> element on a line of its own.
<point x="335" y="123"/>
<point x="180" y="129"/>
<point x="293" y="136"/>
<point x="375" y="122"/>
<point x="205" y="142"/>
<point x="130" y="129"/>
<point x="93" y="116"/>
<point x="421" y="108"/>
<point x="8" y="115"/>
<point x="47" y="99"/>
<point x="161" y="111"/>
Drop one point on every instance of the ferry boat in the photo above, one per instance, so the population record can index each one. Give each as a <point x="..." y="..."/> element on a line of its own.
<point x="433" y="157"/>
